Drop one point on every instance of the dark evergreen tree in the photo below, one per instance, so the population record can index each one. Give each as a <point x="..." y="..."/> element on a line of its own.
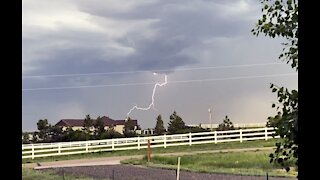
<point x="159" y="129"/>
<point x="176" y="123"/>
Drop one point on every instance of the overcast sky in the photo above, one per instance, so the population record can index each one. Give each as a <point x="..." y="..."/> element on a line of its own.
<point x="199" y="45"/>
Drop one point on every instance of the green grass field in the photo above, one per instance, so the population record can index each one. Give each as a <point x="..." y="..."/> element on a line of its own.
<point x="159" y="150"/>
<point x="254" y="163"/>
<point x="244" y="163"/>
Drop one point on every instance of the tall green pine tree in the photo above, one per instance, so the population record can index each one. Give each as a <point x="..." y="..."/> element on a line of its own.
<point x="159" y="129"/>
<point x="99" y="127"/>
<point x="226" y="125"/>
<point x="87" y="124"/>
<point x="176" y="123"/>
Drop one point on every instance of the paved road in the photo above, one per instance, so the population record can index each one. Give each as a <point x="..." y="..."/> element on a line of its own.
<point x="130" y="172"/>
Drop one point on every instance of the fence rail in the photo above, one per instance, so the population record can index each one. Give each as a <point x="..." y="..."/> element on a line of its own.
<point x="78" y="147"/>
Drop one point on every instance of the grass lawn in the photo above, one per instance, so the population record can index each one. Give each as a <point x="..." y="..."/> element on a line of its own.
<point x="245" y="163"/>
<point x="31" y="174"/>
<point x="159" y="150"/>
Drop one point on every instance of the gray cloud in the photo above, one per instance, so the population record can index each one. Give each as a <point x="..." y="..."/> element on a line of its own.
<point x="180" y="26"/>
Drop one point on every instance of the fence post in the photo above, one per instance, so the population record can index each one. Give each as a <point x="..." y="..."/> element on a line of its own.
<point x="112" y="142"/>
<point x="190" y="140"/>
<point x="138" y="142"/>
<point x="87" y="149"/>
<point x="32" y="153"/>
<point x="215" y="137"/>
<point x="241" y="135"/>
<point x="266" y="133"/>
<point x="178" y="169"/>
<point x="149" y="150"/>
<point x="165" y="141"/>
<point x="59" y="148"/>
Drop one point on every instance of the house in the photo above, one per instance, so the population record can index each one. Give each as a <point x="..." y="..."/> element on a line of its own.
<point x="30" y="136"/>
<point x="27" y="136"/>
<point x="148" y="131"/>
<point x="77" y="124"/>
<point x="145" y="131"/>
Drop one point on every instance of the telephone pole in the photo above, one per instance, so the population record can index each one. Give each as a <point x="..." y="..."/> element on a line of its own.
<point x="210" y="117"/>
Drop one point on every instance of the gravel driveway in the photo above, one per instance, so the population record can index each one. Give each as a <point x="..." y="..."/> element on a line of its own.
<point x="130" y="172"/>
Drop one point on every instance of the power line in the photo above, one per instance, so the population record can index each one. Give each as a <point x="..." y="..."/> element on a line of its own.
<point x="234" y="78"/>
<point x="169" y="82"/>
<point x="159" y="70"/>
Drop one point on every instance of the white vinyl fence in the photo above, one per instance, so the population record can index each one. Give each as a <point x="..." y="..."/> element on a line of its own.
<point x="79" y="147"/>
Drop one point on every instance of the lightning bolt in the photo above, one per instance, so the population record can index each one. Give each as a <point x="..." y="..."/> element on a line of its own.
<point x="152" y="97"/>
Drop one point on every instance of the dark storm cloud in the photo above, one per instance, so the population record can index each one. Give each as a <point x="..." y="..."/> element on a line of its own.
<point x="180" y="26"/>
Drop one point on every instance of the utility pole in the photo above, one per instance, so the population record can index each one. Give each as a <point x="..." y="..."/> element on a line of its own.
<point x="210" y="117"/>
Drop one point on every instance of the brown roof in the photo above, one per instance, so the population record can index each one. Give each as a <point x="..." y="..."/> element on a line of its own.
<point x="121" y="122"/>
<point x="79" y="122"/>
<point x="70" y="122"/>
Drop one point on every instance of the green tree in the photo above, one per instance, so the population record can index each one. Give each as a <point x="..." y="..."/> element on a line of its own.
<point x="128" y="129"/>
<point x="176" y="123"/>
<point x="47" y="132"/>
<point x="87" y="124"/>
<point x="35" y="137"/>
<point x="66" y="133"/>
<point x="111" y="133"/>
<point x="286" y="126"/>
<point x="280" y="18"/>
<point x="43" y="127"/>
<point x="99" y="127"/>
<point x="25" y="139"/>
<point x="55" y="134"/>
<point x="77" y="135"/>
<point x="197" y="129"/>
<point x="159" y="129"/>
<point x="226" y="125"/>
